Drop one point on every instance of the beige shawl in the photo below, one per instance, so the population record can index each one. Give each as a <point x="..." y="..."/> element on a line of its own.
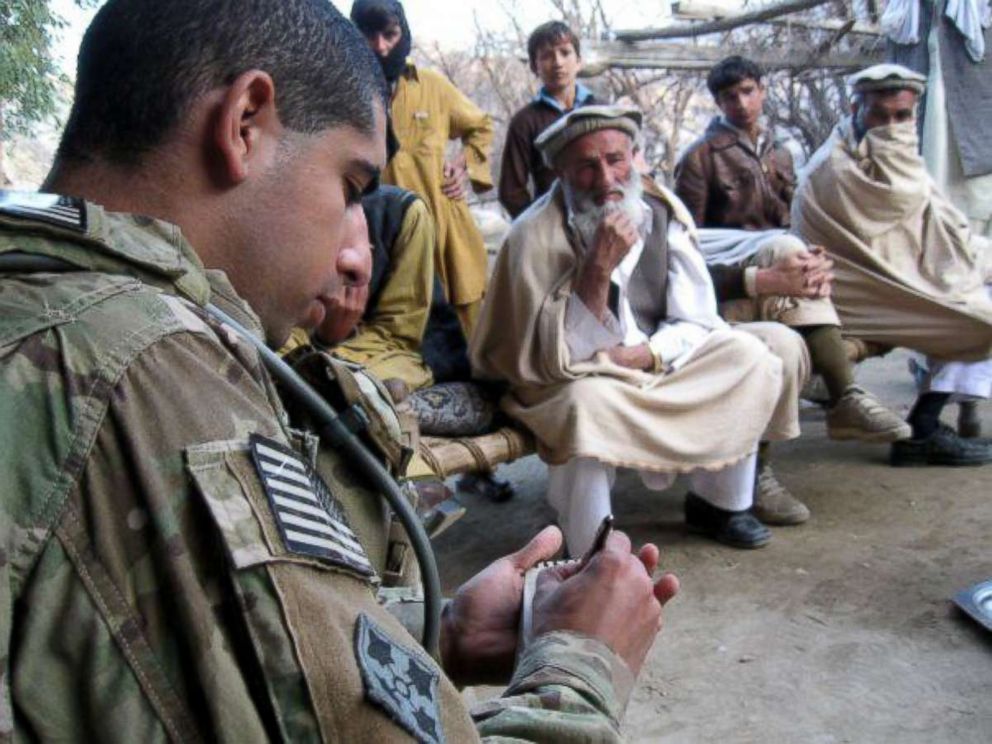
<point x="909" y="272"/>
<point x="708" y="414"/>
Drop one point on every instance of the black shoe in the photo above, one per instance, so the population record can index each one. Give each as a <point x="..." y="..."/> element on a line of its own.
<point x="741" y="529"/>
<point x="969" y="424"/>
<point x="487" y="486"/>
<point x="943" y="447"/>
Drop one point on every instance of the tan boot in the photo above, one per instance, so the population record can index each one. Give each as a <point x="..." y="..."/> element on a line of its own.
<point x="773" y="504"/>
<point x="859" y="415"/>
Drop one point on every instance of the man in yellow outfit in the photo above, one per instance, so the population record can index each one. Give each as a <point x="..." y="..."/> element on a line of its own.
<point x="427" y="111"/>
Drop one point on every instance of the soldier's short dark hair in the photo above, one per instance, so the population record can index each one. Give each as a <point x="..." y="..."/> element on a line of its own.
<point x="143" y="63"/>
<point x="548" y="33"/>
<point x="731" y="71"/>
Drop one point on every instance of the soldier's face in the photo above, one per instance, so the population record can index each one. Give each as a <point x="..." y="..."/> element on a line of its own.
<point x="599" y="164"/>
<point x="303" y="231"/>
<point x="742" y="103"/>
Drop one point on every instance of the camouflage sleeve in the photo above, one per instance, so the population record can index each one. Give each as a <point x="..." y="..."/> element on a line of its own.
<point x="566" y="688"/>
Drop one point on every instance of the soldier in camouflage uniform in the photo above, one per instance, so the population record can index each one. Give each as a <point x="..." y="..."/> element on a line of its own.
<point x="177" y="562"/>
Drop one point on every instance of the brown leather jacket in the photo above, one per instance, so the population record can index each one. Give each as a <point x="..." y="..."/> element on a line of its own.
<point x="725" y="183"/>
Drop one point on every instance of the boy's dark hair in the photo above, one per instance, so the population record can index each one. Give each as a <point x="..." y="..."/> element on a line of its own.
<point x="143" y="63"/>
<point x="551" y="32"/>
<point x="731" y="71"/>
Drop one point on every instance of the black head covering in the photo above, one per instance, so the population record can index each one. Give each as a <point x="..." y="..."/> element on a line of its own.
<point x="372" y="16"/>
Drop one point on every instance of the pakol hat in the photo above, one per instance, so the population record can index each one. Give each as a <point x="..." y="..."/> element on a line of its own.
<point x="887" y="77"/>
<point x="582" y="121"/>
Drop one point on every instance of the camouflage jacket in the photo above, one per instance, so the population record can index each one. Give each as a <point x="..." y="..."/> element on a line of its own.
<point x="177" y="562"/>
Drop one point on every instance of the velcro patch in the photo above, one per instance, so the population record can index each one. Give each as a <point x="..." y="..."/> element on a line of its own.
<point x="65" y="212"/>
<point x="399" y="681"/>
<point x="311" y="521"/>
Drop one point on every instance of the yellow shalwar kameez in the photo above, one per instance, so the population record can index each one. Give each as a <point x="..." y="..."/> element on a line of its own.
<point x="427" y="112"/>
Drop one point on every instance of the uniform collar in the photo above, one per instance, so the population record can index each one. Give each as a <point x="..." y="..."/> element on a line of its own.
<point x="582" y="96"/>
<point x="152" y="250"/>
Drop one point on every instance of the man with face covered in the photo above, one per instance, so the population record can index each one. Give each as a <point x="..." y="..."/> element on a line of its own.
<point x="602" y="318"/>
<point x="426" y="112"/>
<point x="908" y="270"/>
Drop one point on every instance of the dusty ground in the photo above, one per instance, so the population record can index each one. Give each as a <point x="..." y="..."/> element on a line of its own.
<point x="841" y="630"/>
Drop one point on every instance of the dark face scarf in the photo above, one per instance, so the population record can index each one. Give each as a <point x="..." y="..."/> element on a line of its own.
<point x="373" y="16"/>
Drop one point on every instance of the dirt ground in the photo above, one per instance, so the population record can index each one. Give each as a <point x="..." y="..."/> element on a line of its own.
<point x="841" y="630"/>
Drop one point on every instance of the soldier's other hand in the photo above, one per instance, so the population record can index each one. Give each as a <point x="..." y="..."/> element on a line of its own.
<point x="455" y="175"/>
<point x="343" y="312"/>
<point x="479" y="629"/>
<point x="613" y="598"/>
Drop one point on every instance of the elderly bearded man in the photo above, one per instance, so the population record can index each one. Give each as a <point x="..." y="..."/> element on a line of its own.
<point x="603" y="320"/>
<point x="908" y="271"/>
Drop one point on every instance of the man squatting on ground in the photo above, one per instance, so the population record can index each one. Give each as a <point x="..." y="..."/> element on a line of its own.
<point x="555" y="55"/>
<point x="738" y="181"/>
<point x="602" y="318"/>
<point x="169" y="543"/>
<point x="909" y="272"/>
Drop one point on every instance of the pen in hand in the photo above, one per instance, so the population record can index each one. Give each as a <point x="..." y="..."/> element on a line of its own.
<point x="605" y="528"/>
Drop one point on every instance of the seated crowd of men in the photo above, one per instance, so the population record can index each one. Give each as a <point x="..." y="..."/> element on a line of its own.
<point x="672" y="333"/>
<point x="179" y="544"/>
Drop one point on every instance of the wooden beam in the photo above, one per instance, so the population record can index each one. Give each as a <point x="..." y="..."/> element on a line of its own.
<point x="828" y="24"/>
<point x="597" y="57"/>
<point x="684" y="31"/>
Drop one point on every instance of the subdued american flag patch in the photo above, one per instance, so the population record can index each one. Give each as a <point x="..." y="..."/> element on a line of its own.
<point x="61" y="211"/>
<point x="310" y="519"/>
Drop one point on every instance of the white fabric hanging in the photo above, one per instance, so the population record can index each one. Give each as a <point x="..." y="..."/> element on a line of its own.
<point x="901" y="21"/>
<point x="971" y="17"/>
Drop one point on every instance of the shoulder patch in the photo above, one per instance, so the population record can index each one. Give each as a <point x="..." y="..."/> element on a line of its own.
<point x="398" y="681"/>
<point x="65" y="212"/>
<point x="310" y="520"/>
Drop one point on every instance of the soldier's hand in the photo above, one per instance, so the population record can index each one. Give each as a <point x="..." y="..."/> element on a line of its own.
<point x="479" y="629"/>
<point x="613" y="598"/>
<point x="455" y="175"/>
<point x="344" y="310"/>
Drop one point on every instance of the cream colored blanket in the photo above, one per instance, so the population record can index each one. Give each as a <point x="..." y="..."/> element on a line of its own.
<point x="909" y="271"/>
<point x="708" y="414"/>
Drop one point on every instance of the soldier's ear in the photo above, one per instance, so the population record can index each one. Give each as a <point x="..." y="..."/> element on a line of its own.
<point x="247" y="128"/>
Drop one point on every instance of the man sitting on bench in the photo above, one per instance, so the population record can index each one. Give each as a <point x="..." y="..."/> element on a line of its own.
<point x="602" y="318"/>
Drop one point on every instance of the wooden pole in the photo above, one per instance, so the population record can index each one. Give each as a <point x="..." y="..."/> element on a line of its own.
<point x="597" y="57"/>
<point x="724" y="24"/>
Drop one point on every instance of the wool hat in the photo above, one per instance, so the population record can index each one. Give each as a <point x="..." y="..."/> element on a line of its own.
<point x="887" y="77"/>
<point x="582" y="121"/>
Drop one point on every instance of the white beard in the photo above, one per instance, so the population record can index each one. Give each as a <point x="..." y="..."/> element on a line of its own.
<point x="586" y="216"/>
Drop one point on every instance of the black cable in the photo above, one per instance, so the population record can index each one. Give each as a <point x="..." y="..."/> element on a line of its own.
<point x="332" y="430"/>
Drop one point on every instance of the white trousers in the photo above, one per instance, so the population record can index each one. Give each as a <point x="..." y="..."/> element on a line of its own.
<point x="965" y="380"/>
<point x="579" y="491"/>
